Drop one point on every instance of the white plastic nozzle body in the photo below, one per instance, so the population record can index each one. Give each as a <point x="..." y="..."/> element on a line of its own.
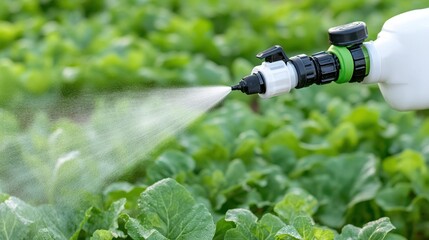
<point x="279" y="77"/>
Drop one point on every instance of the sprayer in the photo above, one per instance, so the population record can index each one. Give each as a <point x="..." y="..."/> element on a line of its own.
<point x="397" y="60"/>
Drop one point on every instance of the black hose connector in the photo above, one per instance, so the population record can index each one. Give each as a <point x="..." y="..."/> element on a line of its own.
<point x="305" y="69"/>
<point x="327" y="67"/>
<point x="320" y="68"/>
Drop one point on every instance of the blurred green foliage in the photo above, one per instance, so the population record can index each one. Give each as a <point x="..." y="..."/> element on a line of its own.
<point x="53" y="48"/>
<point x="300" y="166"/>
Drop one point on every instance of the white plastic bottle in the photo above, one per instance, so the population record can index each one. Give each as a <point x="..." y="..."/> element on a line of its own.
<point x="398" y="60"/>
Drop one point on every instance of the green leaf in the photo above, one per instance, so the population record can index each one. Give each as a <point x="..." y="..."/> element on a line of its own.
<point x="82" y="223"/>
<point x="235" y="173"/>
<point x="395" y="198"/>
<point x="58" y="222"/>
<point x="296" y="202"/>
<point x="323" y="233"/>
<point x="268" y="226"/>
<point x="106" y="220"/>
<point x="340" y="183"/>
<point x="246" y="145"/>
<point x="170" y="164"/>
<point x="118" y="190"/>
<point x="102" y="235"/>
<point x="247" y="226"/>
<point x="288" y="233"/>
<point x="375" y="230"/>
<point x="15" y="219"/>
<point x="343" y="137"/>
<point x="222" y="226"/>
<point x="408" y="163"/>
<point x="349" y="232"/>
<point x="364" y="117"/>
<point x="245" y="223"/>
<point x="137" y="232"/>
<point x="282" y="137"/>
<point x="304" y="225"/>
<point x="169" y="209"/>
<point x="45" y="234"/>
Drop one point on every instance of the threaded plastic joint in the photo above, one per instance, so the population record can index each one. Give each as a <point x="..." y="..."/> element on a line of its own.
<point x="327" y="67"/>
<point x="359" y="61"/>
<point x="306" y="70"/>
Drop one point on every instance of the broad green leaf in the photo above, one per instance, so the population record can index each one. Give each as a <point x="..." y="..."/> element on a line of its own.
<point x="118" y="190"/>
<point x="106" y="219"/>
<point x="214" y="182"/>
<point x="349" y="232"/>
<point x="288" y="233"/>
<point x="323" y="233"/>
<point x="15" y="219"/>
<point x="137" y="232"/>
<point x="82" y="223"/>
<point x="282" y="137"/>
<point x="272" y="183"/>
<point x="45" y="234"/>
<point x="304" y="225"/>
<point x="340" y="183"/>
<point x="283" y="157"/>
<point x="408" y="163"/>
<point x="247" y="145"/>
<point x="364" y="117"/>
<point x="268" y="226"/>
<point x="102" y="235"/>
<point x="206" y="145"/>
<point x="235" y="173"/>
<point x="247" y="226"/>
<point x="343" y="137"/>
<point x="245" y="223"/>
<point x="58" y="222"/>
<point x="375" y="230"/>
<point x="169" y="209"/>
<point x="169" y="164"/>
<point x="222" y="226"/>
<point x="395" y="198"/>
<point x="307" y="163"/>
<point x="296" y="202"/>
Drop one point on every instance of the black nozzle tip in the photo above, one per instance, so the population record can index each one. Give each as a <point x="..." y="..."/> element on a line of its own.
<point x="251" y="84"/>
<point x="236" y="87"/>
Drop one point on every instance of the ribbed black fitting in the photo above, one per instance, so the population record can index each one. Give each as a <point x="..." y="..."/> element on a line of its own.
<point x="359" y="63"/>
<point x="327" y="67"/>
<point x="305" y="69"/>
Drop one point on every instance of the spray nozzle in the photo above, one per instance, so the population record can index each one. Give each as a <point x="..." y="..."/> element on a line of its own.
<point x="345" y="61"/>
<point x="251" y="84"/>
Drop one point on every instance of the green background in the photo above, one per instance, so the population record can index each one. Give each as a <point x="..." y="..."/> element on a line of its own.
<point x="331" y="155"/>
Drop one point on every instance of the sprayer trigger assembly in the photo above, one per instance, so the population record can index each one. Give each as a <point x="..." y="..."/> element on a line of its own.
<point x="273" y="54"/>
